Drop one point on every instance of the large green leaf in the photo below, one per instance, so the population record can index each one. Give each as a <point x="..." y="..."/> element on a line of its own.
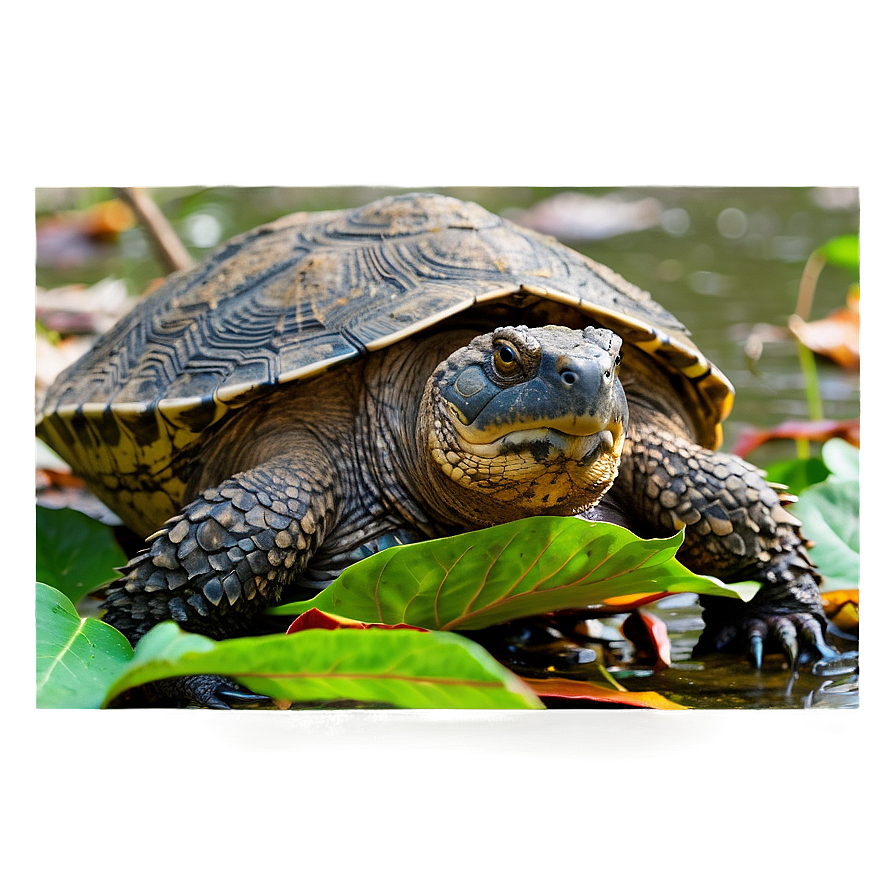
<point x="77" y="659"/>
<point x="75" y="553"/>
<point x="404" y="668"/>
<point x="524" y="568"/>
<point x="828" y="508"/>
<point x="841" y="458"/>
<point x="829" y="512"/>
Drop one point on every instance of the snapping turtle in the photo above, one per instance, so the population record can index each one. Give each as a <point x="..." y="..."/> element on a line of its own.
<point x="336" y="381"/>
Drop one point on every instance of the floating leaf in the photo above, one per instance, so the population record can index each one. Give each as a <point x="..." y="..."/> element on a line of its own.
<point x="75" y="554"/>
<point x="77" y="659"/>
<point x="406" y="669"/>
<point x="557" y="692"/>
<point x="524" y="568"/>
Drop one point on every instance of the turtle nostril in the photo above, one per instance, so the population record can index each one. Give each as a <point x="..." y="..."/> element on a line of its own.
<point x="569" y="377"/>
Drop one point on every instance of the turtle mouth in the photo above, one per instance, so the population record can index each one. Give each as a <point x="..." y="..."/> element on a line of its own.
<point x="581" y="441"/>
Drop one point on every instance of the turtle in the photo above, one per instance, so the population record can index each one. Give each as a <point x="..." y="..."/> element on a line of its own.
<point x="335" y="382"/>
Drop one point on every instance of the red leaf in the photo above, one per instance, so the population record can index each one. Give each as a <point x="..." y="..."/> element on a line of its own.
<point x="315" y="618"/>
<point x="651" y="638"/>
<point x="813" y="430"/>
<point x="560" y="691"/>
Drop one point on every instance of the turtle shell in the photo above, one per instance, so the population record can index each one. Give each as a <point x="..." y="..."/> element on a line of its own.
<point x="311" y="291"/>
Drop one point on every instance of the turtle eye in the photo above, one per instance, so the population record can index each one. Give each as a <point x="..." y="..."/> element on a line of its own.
<point x="505" y="358"/>
<point x="618" y="360"/>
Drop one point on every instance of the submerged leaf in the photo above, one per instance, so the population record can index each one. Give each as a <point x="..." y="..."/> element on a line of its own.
<point x="75" y="554"/>
<point x="525" y="568"/>
<point x="406" y="669"/>
<point x="77" y="659"/>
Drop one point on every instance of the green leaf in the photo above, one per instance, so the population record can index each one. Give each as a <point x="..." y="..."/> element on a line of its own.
<point x="841" y="458"/>
<point x="77" y="659"/>
<point x="407" y="669"/>
<point x="842" y="251"/>
<point x="829" y="512"/>
<point x="798" y="473"/>
<point x="524" y="568"/>
<point x="75" y="553"/>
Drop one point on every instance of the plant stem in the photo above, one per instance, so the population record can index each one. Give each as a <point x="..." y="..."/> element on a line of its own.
<point x="805" y="298"/>
<point x="809" y="279"/>
<point x="169" y="249"/>
<point x="605" y="674"/>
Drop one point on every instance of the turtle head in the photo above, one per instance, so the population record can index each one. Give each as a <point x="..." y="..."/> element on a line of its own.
<point x="532" y="420"/>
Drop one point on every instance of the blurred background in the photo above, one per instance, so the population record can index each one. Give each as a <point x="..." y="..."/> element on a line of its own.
<point x="727" y="261"/>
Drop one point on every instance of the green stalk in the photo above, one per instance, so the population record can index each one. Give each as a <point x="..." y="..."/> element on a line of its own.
<point x="605" y="674"/>
<point x="813" y="395"/>
<point x="804" y="301"/>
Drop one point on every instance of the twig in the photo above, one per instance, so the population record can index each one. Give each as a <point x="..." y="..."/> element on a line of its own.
<point x="169" y="250"/>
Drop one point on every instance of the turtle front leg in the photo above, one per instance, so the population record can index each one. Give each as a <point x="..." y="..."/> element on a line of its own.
<point x="226" y="557"/>
<point x="735" y="529"/>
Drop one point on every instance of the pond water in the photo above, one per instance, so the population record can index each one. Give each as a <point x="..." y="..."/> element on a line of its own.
<point x="726" y="261"/>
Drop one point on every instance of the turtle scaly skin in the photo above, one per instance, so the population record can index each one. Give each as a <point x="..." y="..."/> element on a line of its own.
<point x="230" y="552"/>
<point x="737" y="530"/>
<point x="226" y="557"/>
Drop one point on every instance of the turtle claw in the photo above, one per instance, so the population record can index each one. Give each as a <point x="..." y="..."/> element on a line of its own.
<point x="202" y="691"/>
<point x="757" y="633"/>
<point x="756" y="650"/>
<point x="798" y="634"/>
<point x="811" y="633"/>
<point x="230" y="694"/>
<point x="785" y="633"/>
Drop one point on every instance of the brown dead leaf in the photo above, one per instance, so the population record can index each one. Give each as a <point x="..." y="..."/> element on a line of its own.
<point x="835" y="336"/>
